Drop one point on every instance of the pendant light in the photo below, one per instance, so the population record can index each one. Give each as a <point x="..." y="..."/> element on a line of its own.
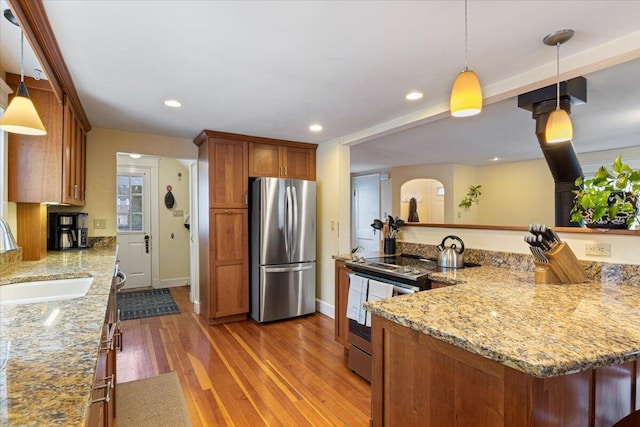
<point x="21" y="115"/>
<point x="466" y="93"/>
<point x="559" y="128"/>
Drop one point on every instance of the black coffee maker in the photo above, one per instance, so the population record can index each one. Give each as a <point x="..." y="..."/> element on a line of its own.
<point x="67" y="230"/>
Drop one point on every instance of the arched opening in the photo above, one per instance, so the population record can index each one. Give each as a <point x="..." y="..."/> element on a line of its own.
<point x="422" y="199"/>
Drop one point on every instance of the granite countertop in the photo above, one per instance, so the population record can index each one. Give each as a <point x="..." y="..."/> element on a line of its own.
<point x="50" y="370"/>
<point x="543" y="330"/>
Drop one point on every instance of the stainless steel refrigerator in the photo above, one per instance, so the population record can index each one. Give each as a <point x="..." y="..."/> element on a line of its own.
<point x="283" y="248"/>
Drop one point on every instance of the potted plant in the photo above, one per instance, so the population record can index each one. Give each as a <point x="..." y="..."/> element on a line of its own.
<point x="471" y="197"/>
<point x="609" y="199"/>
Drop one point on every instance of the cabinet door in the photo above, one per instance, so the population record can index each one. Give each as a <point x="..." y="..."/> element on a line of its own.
<point x="341" y="296"/>
<point x="73" y="158"/>
<point x="229" y="248"/>
<point x="299" y="163"/>
<point x="264" y="160"/>
<point x="35" y="162"/>
<point x="228" y="173"/>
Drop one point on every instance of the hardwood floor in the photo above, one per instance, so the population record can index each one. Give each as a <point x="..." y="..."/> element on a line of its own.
<point x="288" y="373"/>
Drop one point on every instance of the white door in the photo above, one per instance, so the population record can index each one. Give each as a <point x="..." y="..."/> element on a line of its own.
<point x="366" y="208"/>
<point x="134" y="225"/>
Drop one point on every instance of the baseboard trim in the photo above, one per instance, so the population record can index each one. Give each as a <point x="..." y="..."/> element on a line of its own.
<point x="172" y="283"/>
<point x="325" y="308"/>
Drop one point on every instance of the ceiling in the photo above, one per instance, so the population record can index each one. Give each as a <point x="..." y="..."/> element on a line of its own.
<point x="273" y="68"/>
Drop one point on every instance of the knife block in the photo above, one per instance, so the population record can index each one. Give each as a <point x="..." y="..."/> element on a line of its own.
<point x="563" y="267"/>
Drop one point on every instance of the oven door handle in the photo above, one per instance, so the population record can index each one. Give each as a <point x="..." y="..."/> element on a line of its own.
<point x="401" y="290"/>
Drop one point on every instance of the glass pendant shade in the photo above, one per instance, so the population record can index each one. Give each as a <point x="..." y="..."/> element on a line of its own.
<point x="21" y="115"/>
<point x="559" y="128"/>
<point x="466" y="95"/>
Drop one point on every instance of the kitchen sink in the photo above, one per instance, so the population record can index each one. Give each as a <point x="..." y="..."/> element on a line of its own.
<point x="44" y="290"/>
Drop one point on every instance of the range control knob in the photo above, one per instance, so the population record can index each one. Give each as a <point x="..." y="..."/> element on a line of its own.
<point x="407" y="269"/>
<point x="416" y="271"/>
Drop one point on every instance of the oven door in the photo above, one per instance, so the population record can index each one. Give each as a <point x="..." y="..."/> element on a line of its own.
<point x="360" y="335"/>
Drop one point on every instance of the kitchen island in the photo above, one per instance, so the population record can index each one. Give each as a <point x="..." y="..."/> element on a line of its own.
<point x="50" y="371"/>
<point x="499" y="350"/>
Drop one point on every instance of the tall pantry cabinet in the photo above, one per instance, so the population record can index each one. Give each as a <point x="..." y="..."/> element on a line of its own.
<point x="225" y="163"/>
<point x="223" y="228"/>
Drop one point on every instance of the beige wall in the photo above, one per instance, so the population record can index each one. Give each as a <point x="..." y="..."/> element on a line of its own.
<point x="102" y="147"/>
<point x="174" y="251"/>
<point x="517" y="193"/>
<point x="333" y="216"/>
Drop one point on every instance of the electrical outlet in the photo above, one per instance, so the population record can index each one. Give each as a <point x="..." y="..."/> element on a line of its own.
<point x="598" y="249"/>
<point x="99" y="224"/>
<point x="178" y="213"/>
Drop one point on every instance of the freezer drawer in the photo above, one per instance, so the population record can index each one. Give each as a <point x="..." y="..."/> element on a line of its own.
<point x="284" y="291"/>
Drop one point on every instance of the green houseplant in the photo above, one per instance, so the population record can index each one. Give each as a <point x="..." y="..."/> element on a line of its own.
<point x="471" y="197"/>
<point x="609" y="199"/>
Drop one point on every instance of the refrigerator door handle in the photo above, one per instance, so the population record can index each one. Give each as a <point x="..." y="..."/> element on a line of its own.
<point x="294" y="235"/>
<point x="287" y="221"/>
<point x="288" y="269"/>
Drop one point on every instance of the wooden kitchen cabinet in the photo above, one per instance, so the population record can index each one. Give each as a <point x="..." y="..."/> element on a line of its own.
<point x="284" y="160"/>
<point x="74" y="146"/>
<point x="228" y="293"/>
<point x="341" y="297"/>
<point x="436" y="285"/>
<point x="48" y="168"/>
<point x="102" y="411"/>
<point x="228" y="178"/>
<point x="223" y="228"/>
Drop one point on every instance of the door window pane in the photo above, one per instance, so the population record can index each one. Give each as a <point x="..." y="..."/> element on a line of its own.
<point x="129" y="206"/>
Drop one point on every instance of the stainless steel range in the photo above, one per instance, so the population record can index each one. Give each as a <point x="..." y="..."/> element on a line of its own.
<point x="404" y="270"/>
<point x="407" y="274"/>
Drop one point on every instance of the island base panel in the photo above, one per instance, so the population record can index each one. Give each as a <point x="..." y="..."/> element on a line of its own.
<point x="421" y="381"/>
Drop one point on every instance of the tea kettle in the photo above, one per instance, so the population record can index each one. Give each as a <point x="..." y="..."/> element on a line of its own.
<point x="451" y="257"/>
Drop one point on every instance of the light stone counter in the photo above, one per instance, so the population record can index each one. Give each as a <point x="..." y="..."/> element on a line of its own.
<point x="49" y="374"/>
<point x="542" y="330"/>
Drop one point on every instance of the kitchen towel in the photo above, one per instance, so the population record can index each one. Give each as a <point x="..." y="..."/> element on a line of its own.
<point x="357" y="295"/>
<point x="378" y="291"/>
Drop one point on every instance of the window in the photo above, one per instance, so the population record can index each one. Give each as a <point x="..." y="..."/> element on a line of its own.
<point x="129" y="203"/>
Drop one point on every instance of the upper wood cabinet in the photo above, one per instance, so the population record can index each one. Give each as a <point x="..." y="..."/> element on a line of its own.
<point x="74" y="145"/>
<point x="283" y="160"/>
<point x="48" y="168"/>
<point x="227" y="178"/>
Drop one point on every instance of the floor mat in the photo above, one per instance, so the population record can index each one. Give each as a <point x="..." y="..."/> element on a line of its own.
<point x="154" y="402"/>
<point x="147" y="303"/>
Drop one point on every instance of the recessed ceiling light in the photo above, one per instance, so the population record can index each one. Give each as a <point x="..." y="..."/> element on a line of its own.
<point x="315" y="128"/>
<point x="413" y="96"/>
<point x="173" y="103"/>
<point x="494" y="159"/>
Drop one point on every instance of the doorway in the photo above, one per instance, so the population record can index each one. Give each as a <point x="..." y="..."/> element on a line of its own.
<point x="137" y="223"/>
<point x="133" y="215"/>
<point x="366" y="207"/>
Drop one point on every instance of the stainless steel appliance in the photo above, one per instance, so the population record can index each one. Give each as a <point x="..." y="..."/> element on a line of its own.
<point x="67" y="230"/>
<point x="407" y="274"/>
<point x="283" y="248"/>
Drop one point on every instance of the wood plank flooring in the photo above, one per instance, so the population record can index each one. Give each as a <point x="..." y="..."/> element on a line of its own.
<point x="288" y="373"/>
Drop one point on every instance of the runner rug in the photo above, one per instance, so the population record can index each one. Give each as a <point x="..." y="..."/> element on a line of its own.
<point x="147" y="303"/>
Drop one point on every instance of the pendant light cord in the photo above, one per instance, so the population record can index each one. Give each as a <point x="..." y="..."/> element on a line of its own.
<point x="21" y="56"/>
<point x="465" y="36"/>
<point x="557" y="76"/>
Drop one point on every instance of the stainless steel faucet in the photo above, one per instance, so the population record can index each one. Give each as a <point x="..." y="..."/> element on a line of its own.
<point x="7" y="242"/>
